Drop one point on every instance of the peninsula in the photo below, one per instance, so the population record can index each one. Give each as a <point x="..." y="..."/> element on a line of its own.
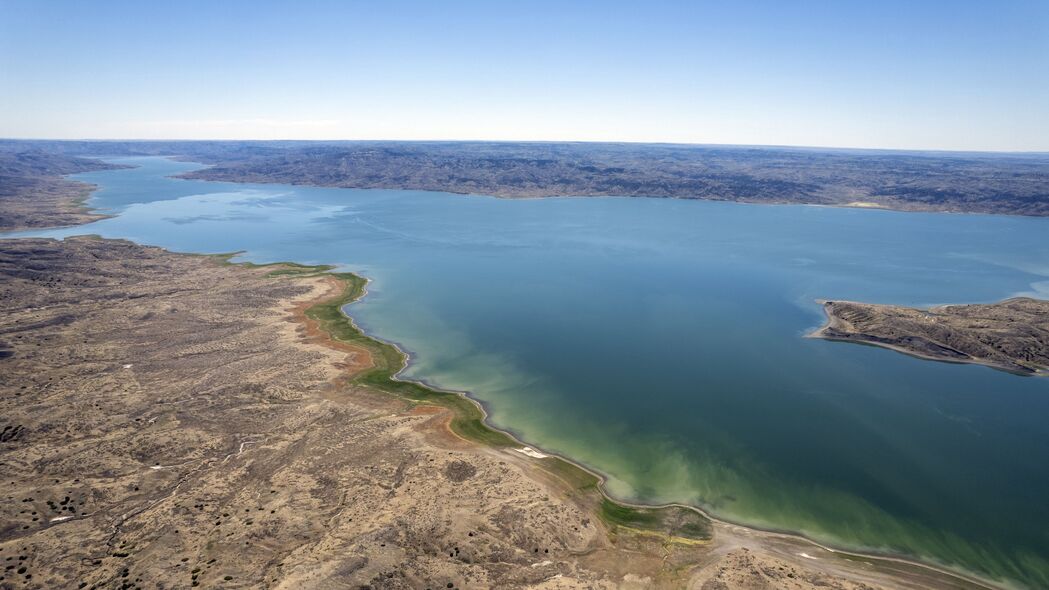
<point x="34" y="194"/>
<point x="1011" y="335"/>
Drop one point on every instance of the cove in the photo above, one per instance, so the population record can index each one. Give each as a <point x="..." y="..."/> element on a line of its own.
<point x="660" y="342"/>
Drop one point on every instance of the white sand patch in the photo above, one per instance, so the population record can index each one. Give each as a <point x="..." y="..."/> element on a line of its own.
<point x="531" y="453"/>
<point x="865" y="205"/>
<point x="60" y="518"/>
<point x="806" y="555"/>
<point x="128" y="366"/>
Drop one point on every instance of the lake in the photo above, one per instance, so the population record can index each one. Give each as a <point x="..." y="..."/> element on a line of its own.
<point x="660" y="342"/>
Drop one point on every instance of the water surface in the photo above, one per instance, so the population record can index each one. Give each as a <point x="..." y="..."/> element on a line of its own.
<point x="660" y="342"/>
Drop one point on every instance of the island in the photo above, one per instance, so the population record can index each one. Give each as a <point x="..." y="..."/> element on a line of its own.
<point x="1011" y="335"/>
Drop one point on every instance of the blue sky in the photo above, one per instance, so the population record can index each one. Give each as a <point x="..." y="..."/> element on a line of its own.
<point x="886" y="74"/>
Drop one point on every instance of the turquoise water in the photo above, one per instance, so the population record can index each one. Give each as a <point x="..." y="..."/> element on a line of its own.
<point x="660" y="342"/>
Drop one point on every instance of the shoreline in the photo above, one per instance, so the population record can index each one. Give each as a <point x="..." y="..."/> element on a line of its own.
<point x="475" y="424"/>
<point x="867" y="206"/>
<point x="852" y="205"/>
<point x="830" y="321"/>
<point x="228" y="171"/>
<point x="352" y="295"/>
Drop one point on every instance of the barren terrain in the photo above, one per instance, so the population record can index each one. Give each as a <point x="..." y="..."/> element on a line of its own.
<point x="172" y="421"/>
<point x="33" y="193"/>
<point x="1012" y="335"/>
<point x="1015" y="184"/>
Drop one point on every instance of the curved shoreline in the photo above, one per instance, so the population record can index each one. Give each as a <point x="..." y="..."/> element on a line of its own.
<point x="887" y="204"/>
<point x="831" y="323"/>
<point x="876" y="207"/>
<point x="546" y="464"/>
<point x="355" y="289"/>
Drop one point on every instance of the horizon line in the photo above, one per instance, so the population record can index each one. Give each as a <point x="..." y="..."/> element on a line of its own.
<point x="540" y="141"/>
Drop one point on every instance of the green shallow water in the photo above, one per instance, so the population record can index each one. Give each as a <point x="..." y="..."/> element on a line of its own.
<point x="660" y="342"/>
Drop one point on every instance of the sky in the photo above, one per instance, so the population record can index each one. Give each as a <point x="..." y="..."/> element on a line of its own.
<point x="953" y="75"/>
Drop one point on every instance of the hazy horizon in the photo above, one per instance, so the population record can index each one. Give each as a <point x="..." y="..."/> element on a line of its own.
<point x="828" y="148"/>
<point x="960" y="76"/>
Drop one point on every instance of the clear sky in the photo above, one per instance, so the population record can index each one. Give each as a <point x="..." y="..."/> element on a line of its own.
<point x="958" y="74"/>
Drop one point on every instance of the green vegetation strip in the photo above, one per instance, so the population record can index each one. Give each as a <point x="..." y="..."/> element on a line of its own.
<point x="387" y="361"/>
<point x="673" y="521"/>
<point x="468" y="420"/>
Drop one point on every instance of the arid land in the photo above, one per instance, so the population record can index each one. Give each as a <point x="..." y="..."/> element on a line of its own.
<point x="34" y="194"/>
<point x="1016" y="184"/>
<point x="1011" y="335"/>
<point x="173" y="421"/>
